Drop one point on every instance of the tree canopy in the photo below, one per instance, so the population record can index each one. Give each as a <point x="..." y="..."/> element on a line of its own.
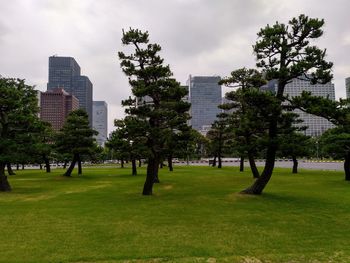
<point x="158" y="101"/>
<point x="18" y="110"/>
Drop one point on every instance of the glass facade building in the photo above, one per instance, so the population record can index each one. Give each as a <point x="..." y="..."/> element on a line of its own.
<point x="100" y="121"/>
<point x="64" y="72"/>
<point x="205" y="96"/>
<point x="316" y="125"/>
<point x="347" y="87"/>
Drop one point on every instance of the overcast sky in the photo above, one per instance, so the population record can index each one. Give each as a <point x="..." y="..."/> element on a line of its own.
<point x="198" y="37"/>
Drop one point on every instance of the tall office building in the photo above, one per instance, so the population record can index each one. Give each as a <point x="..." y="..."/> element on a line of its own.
<point x="55" y="105"/>
<point x="316" y="125"/>
<point x="64" y="72"/>
<point x="100" y="121"/>
<point x="347" y="87"/>
<point x="205" y="96"/>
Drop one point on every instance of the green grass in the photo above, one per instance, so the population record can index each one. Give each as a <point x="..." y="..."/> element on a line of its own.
<point x="195" y="215"/>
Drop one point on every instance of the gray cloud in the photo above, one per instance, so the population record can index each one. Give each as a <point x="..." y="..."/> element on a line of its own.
<point x="198" y="37"/>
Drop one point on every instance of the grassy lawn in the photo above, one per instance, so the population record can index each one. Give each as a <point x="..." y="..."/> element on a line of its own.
<point x="195" y="215"/>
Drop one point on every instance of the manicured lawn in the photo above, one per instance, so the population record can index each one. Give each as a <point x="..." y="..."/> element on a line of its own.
<point x="195" y="215"/>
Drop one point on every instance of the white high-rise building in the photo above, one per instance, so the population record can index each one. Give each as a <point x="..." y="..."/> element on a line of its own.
<point x="347" y="87"/>
<point x="100" y="120"/>
<point x="316" y="125"/>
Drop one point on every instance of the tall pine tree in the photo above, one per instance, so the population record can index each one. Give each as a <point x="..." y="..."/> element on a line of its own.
<point x="159" y="103"/>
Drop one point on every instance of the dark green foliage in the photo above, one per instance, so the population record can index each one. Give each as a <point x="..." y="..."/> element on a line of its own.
<point x="249" y="111"/>
<point x="76" y="138"/>
<point x="158" y="105"/>
<point x="128" y="141"/>
<point x="218" y="136"/>
<point x="18" y="110"/>
<point x="284" y="52"/>
<point x="334" y="142"/>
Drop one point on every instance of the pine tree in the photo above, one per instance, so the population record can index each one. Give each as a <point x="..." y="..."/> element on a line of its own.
<point x="284" y="52"/>
<point x="159" y="102"/>
<point x="18" y="109"/>
<point x="76" y="138"/>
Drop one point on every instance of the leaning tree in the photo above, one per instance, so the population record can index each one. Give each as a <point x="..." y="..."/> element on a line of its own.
<point x="76" y="139"/>
<point x="284" y="52"/>
<point x="159" y="98"/>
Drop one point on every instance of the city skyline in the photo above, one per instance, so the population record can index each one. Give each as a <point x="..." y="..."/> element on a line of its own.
<point x="213" y="40"/>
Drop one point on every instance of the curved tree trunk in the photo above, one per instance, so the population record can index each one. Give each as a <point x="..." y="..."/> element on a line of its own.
<point x="71" y="167"/>
<point x="170" y="163"/>
<point x="295" y="165"/>
<point x="4" y="184"/>
<point x="9" y="169"/>
<point x="47" y="163"/>
<point x="259" y="184"/>
<point x="134" y="170"/>
<point x="241" y="164"/>
<point x="80" y="170"/>
<point x="252" y="165"/>
<point x="347" y="167"/>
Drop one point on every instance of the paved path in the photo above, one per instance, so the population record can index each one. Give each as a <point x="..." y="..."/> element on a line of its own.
<point x="338" y="166"/>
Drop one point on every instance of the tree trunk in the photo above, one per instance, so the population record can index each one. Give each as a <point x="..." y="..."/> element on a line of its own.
<point x="295" y="165"/>
<point x="219" y="161"/>
<point x="47" y="164"/>
<point x="71" y="167"/>
<point x="134" y="170"/>
<point x="22" y="166"/>
<point x="4" y="184"/>
<point x="148" y="186"/>
<point x="241" y="164"/>
<point x="80" y="171"/>
<point x="140" y="162"/>
<point x="214" y="161"/>
<point x="9" y="169"/>
<point x="65" y="164"/>
<point x="156" y="169"/>
<point x="17" y="166"/>
<point x="170" y="162"/>
<point x="253" y="167"/>
<point x="40" y="166"/>
<point x="121" y="163"/>
<point x="259" y="184"/>
<point x="347" y="167"/>
<point x="161" y="164"/>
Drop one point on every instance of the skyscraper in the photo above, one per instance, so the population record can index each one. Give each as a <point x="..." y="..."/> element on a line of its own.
<point x="347" y="87"/>
<point x="55" y="105"/>
<point x="64" y="72"/>
<point x="205" y="97"/>
<point x="100" y="121"/>
<point x="316" y="125"/>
